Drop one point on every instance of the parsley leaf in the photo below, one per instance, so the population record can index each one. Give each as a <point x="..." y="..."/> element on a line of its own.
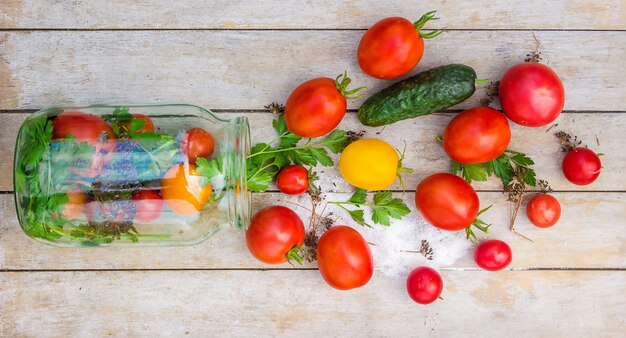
<point x="208" y="169"/>
<point x="359" y="217"/>
<point x="359" y="196"/>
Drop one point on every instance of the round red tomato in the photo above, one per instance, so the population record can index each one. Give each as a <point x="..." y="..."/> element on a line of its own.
<point x="148" y="205"/>
<point x="344" y="258"/>
<point x="447" y="201"/>
<point x="147" y="126"/>
<point x="493" y="255"/>
<point x="196" y="143"/>
<point x="315" y="108"/>
<point x="543" y="210"/>
<point x="393" y="46"/>
<point x="184" y="190"/>
<point x="581" y="166"/>
<point x="275" y="235"/>
<point x="424" y="285"/>
<point x="477" y="135"/>
<point x="293" y="180"/>
<point x="84" y="127"/>
<point x="531" y="94"/>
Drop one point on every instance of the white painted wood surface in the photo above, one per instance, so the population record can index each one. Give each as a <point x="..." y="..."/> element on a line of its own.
<point x="237" y="56"/>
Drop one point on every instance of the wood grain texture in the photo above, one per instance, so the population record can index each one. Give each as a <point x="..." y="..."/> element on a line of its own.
<point x="425" y="155"/>
<point x="589" y="235"/>
<point x="289" y="303"/>
<point x="249" y="69"/>
<point x="302" y="14"/>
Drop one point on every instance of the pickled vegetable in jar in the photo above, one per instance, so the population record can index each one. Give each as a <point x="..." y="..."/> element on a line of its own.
<point x="107" y="175"/>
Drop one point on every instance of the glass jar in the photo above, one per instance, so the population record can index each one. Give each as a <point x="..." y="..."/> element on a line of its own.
<point x="107" y="175"/>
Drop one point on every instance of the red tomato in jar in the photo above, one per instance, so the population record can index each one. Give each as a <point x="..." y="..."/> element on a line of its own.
<point x="84" y="127"/>
<point x="531" y="94"/>
<point x="424" y="285"/>
<point x="293" y="180"/>
<point x="317" y="106"/>
<point x="196" y="143"/>
<point x="543" y="210"/>
<point x="148" y="205"/>
<point x="493" y="255"/>
<point x="148" y="125"/>
<point x="275" y="235"/>
<point x="184" y="190"/>
<point x="447" y="201"/>
<point x="393" y="46"/>
<point x="581" y="166"/>
<point x="477" y="135"/>
<point x="344" y="258"/>
<point x="75" y="206"/>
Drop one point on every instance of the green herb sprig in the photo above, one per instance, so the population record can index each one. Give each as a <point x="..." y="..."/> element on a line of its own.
<point x="384" y="207"/>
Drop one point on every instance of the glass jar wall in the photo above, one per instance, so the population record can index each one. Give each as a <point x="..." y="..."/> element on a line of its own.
<point x="130" y="175"/>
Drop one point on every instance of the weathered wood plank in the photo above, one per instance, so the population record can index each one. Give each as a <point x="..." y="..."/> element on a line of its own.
<point x="249" y="69"/>
<point x="425" y="155"/>
<point x="589" y="235"/>
<point x="300" y="14"/>
<point x="288" y="303"/>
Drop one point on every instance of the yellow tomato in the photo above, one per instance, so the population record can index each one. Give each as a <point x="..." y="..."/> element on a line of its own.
<point x="369" y="164"/>
<point x="183" y="190"/>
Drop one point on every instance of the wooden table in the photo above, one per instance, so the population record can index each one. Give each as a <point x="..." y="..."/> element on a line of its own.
<point x="237" y="56"/>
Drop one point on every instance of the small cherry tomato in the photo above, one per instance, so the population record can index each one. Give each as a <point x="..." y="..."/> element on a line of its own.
<point x="344" y="258"/>
<point x="148" y="205"/>
<point x="477" y="135"/>
<point x="84" y="127"/>
<point x="275" y="235"/>
<point x="493" y="255"/>
<point x="184" y="190"/>
<point x="293" y="180"/>
<point x="195" y="143"/>
<point x="393" y="46"/>
<point x="75" y="207"/>
<point x="531" y="94"/>
<point x="581" y="166"/>
<point x="424" y="285"/>
<point x="543" y="210"/>
<point x="447" y="201"/>
<point x="147" y="126"/>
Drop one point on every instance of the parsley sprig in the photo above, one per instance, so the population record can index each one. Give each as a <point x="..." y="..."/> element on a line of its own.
<point x="511" y="164"/>
<point x="384" y="207"/>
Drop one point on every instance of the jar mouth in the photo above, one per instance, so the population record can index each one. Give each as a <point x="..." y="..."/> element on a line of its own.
<point x="238" y="136"/>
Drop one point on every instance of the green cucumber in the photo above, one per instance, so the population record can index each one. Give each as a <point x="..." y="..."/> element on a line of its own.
<point x="427" y="92"/>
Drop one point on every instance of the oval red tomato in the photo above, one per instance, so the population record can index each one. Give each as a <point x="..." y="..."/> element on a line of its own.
<point x="344" y="258"/>
<point x="275" y="235"/>
<point x="393" y="46"/>
<point x="424" y="285"/>
<point x="196" y="143"/>
<point x="293" y="180"/>
<point x="581" y="166"/>
<point x="493" y="255"/>
<point x="315" y="108"/>
<point x="477" y="135"/>
<point x="84" y="127"/>
<point x="531" y="94"/>
<point x="447" y="201"/>
<point x="148" y="205"/>
<point x="147" y="126"/>
<point x="543" y="210"/>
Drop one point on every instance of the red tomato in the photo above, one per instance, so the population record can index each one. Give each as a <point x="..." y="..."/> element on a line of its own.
<point x="148" y="125"/>
<point x="148" y="205"/>
<point x="531" y="94"/>
<point x="393" y="46"/>
<point x="275" y="235"/>
<point x="493" y="255"/>
<point x="477" y="135"/>
<point x="184" y="190"/>
<point x="447" y="201"/>
<point x="543" y="210"/>
<point x="293" y="180"/>
<point x="315" y="108"/>
<point x="424" y="285"/>
<point x="195" y="143"/>
<point x="581" y="166"/>
<point x="75" y="207"/>
<point x="344" y="258"/>
<point x="84" y="127"/>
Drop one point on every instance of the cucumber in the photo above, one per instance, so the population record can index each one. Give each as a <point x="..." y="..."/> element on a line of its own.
<point x="427" y="92"/>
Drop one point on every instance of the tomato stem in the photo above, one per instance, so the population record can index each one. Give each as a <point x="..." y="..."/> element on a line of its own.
<point x="295" y="254"/>
<point x="402" y="170"/>
<point x="419" y="24"/>
<point x="480" y="81"/>
<point x="342" y="82"/>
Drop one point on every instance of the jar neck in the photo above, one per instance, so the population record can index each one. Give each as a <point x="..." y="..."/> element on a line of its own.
<point x="237" y="148"/>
